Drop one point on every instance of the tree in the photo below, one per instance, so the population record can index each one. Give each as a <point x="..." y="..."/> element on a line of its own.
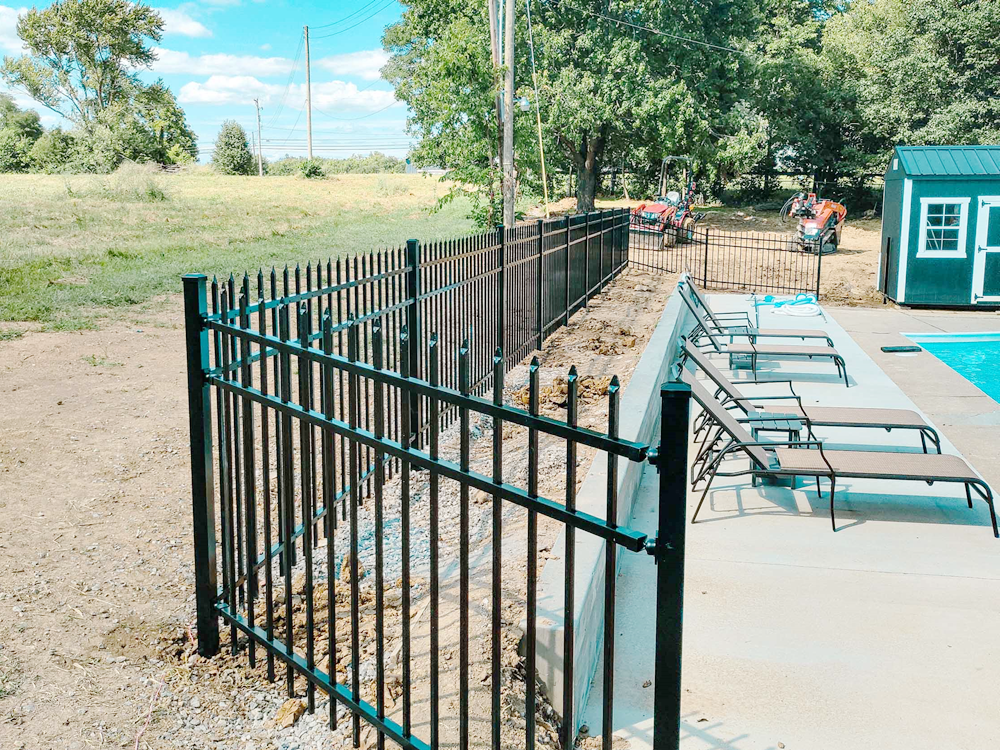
<point x="158" y="111"/>
<point x="26" y="122"/>
<point x="232" y="152"/>
<point x="83" y="54"/>
<point x="607" y="88"/>
<point x="918" y="73"/>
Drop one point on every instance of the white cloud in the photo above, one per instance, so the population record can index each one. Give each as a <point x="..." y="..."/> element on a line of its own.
<point x="171" y="61"/>
<point x="365" y="64"/>
<point x="265" y="47"/>
<point x="177" y="21"/>
<point x="9" y="41"/>
<point x="241" y="89"/>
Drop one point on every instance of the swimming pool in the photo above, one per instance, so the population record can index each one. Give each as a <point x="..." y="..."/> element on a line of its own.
<point x="974" y="356"/>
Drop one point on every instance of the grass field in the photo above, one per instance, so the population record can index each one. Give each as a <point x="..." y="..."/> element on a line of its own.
<point x="76" y="249"/>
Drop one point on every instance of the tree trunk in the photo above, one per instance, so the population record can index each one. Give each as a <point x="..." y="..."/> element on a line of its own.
<point x="587" y="157"/>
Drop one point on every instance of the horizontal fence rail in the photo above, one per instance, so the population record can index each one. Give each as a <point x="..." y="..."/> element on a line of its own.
<point x="287" y="465"/>
<point x="762" y="262"/>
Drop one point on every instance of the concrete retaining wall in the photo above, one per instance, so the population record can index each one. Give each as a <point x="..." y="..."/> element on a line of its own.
<point x="640" y="413"/>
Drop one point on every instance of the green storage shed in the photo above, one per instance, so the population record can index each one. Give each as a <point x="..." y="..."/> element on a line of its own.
<point x="941" y="227"/>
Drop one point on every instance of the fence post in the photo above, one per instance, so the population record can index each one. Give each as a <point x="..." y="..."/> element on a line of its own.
<point x="600" y="283"/>
<point x="541" y="267"/>
<point x="704" y="273"/>
<point x="819" y="266"/>
<point x="502" y="290"/>
<point x="413" y="332"/>
<point x="569" y="222"/>
<point x="202" y="482"/>
<point x="586" y="264"/>
<point x="672" y="463"/>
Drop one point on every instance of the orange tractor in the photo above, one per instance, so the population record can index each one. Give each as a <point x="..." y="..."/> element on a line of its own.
<point x="820" y="222"/>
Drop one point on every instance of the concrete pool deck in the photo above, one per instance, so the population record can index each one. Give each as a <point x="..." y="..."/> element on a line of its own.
<point x="882" y="635"/>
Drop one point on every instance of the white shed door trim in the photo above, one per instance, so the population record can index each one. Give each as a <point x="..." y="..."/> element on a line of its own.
<point x="986" y="202"/>
<point x="904" y="241"/>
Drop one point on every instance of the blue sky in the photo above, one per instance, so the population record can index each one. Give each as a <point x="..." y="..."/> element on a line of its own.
<point x="217" y="56"/>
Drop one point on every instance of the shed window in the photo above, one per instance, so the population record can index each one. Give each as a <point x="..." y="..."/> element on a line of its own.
<point x="943" y="224"/>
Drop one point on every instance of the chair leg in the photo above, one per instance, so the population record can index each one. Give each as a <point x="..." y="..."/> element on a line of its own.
<point x="968" y="495"/>
<point x="704" y="494"/>
<point x="833" y="489"/>
<point x="923" y="444"/>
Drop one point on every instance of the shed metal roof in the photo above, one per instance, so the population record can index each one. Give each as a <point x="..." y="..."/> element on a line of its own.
<point x="950" y="161"/>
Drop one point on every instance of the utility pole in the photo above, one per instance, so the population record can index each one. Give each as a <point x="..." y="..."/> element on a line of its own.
<point x="260" y="142"/>
<point x="309" y="111"/>
<point x="508" y="112"/>
<point x="495" y="57"/>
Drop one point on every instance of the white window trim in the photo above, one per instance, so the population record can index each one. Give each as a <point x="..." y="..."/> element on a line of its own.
<point x="963" y="226"/>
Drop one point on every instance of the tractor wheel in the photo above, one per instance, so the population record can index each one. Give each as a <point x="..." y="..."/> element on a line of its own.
<point x="668" y="238"/>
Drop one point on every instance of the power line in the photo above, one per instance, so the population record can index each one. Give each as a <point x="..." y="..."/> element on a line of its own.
<point x="370" y="16"/>
<point x="347" y="17"/>
<point x="362" y="117"/>
<point x="288" y="84"/>
<point x="622" y="22"/>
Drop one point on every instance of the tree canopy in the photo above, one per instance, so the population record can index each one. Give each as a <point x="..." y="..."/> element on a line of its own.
<point x="82" y="62"/>
<point x="746" y="88"/>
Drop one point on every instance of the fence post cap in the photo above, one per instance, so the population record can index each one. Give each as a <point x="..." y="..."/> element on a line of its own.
<point x="675" y="389"/>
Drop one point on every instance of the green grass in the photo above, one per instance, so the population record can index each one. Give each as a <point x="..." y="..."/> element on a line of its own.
<point x="76" y="250"/>
<point x="96" y="360"/>
<point x="10" y="334"/>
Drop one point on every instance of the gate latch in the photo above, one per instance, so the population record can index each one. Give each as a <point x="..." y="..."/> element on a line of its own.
<point x="653" y="456"/>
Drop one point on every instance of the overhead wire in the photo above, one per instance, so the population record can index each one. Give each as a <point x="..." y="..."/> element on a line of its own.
<point x="344" y="30"/>
<point x="347" y="17"/>
<point x="658" y="32"/>
<point x="288" y="84"/>
<point x="351" y="119"/>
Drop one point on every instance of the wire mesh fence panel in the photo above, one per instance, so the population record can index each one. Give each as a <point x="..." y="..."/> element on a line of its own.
<point x="762" y="262"/>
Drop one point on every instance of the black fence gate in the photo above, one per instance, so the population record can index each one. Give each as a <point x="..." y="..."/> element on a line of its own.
<point x="762" y="262"/>
<point x="340" y="420"/>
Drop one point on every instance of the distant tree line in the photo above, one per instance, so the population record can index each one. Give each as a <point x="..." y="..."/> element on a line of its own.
<point x="747" y="89"/>
<point x="81" y="63"/>
<point x="232" y="156"/>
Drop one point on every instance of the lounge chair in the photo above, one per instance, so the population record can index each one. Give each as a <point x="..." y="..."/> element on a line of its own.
<point x="820" y="416"/>
<point x="733" y="324"/>
<point x="795" y="459"/>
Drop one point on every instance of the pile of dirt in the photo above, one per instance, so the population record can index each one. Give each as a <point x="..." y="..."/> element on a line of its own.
<point x="590" y="388"/>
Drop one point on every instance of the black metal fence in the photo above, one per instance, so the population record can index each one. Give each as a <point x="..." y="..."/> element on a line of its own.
<point x="311" y="392"/>
<point x="764" y="262"/>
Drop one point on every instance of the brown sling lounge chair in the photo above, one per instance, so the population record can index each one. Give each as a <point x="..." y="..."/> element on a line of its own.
<point x="797" y="458"/>
<point x="754" y="350"/>
<point x="733" y="324"/>
<point x="819" y="416"/>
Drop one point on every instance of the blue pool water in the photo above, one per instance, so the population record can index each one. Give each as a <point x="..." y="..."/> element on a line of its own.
<point x="974" y="356"/>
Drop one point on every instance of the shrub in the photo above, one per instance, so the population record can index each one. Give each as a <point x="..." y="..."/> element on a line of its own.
<point x="312" y="169"/>
<point x="14" y="148"/>
<point x="232" y="153"/>
<point x="51" y="153"/>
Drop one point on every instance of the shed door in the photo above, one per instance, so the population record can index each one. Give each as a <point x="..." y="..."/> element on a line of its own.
<point x="986" y="269"/>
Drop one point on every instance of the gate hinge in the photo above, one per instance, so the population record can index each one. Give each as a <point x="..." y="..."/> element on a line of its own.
<point x="653" y="456"/>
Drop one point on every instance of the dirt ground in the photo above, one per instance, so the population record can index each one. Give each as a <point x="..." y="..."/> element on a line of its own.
<point x="95" y="555"/>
